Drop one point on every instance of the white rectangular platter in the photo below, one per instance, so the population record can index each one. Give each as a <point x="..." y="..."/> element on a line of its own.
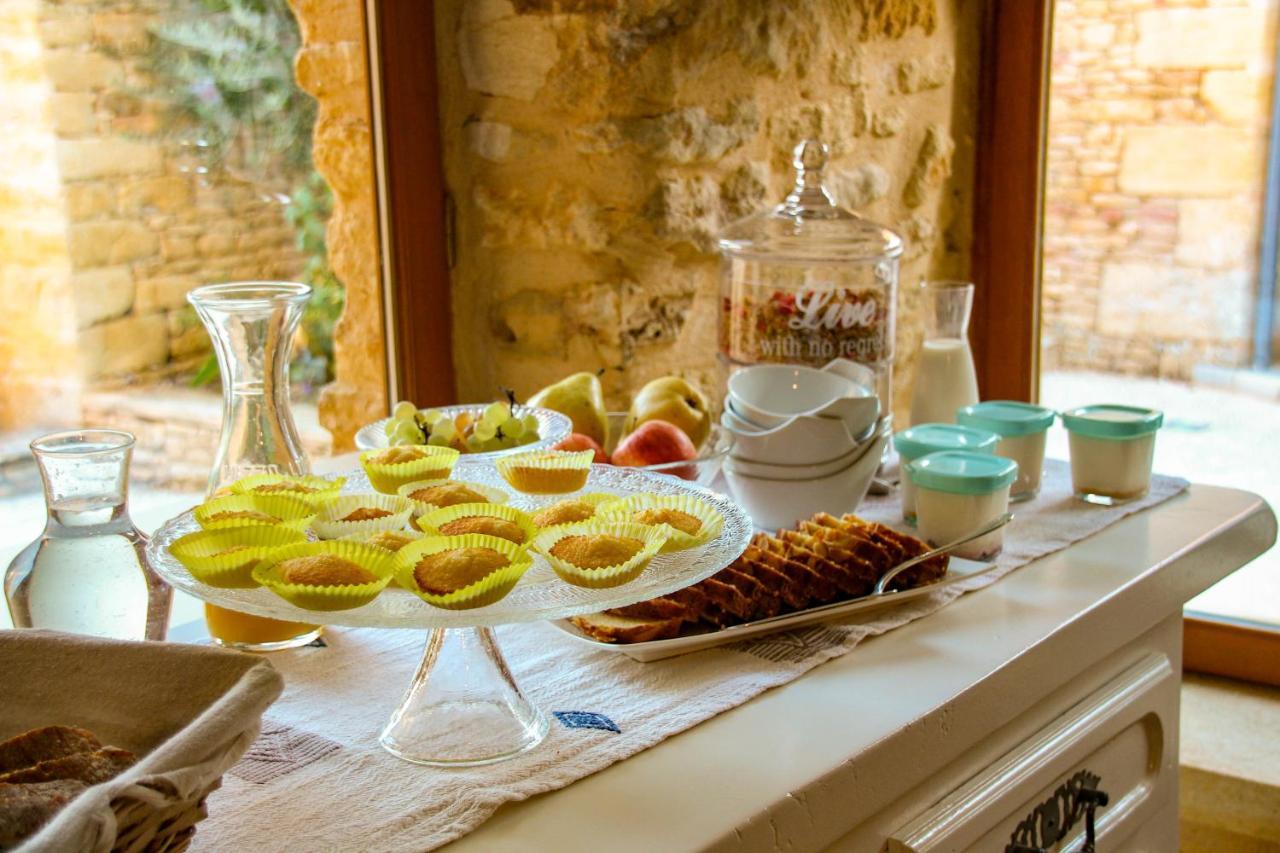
<point x="958" y="570"/>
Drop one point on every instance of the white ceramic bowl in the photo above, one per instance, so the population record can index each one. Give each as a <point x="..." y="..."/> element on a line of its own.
<point x="767" y="394"/>
<point x="772" y="471"/>
<point x="773" y="504"/>
<point x="803" y="441"/>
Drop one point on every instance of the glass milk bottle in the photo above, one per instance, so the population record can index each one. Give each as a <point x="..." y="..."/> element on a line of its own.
<point x="87" y="573"/>
<point x="946" y="379"/>
<point x="808" y="282"/>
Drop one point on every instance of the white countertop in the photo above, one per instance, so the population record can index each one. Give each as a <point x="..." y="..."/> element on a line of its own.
<point x="793" y="768"/>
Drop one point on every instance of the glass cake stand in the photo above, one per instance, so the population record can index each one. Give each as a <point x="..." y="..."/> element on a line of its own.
<point x="464" y="707"/>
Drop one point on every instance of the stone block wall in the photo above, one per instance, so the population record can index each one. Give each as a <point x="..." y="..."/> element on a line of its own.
<point x="1157" y="144"/>
<point x="119" y="215"/>
<point x="594" y="149"/>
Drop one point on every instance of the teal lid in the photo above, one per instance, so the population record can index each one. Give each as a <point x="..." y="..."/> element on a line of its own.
<point x="1113" y="421"/>
<point x="1008" y="418"/>
<point x="962" y="472"/>
<point x="923" y="439"/>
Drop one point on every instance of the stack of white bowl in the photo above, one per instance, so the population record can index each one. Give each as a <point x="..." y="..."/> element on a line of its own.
<point x="805" y="440"/>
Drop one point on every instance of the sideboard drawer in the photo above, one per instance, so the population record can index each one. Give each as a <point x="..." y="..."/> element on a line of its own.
<point x="1118" y="739"/>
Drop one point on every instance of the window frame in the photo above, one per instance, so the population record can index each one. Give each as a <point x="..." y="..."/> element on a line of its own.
<point x="415" y="212"/>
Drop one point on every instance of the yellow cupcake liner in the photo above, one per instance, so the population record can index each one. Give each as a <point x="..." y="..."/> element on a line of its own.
<point x="436" y="463"/>
<point x="546" y="472"/>
<point x="328" y="523"/>
<point x="431" y="522"/>
<point x="322" y="488"/>
<point x="653" y="537"/>
<point x="491" y="495"/>
<point x="596" y="499"/>
<point x="294" y="513"/>
<point x="367" y="538"/>
<point x="624" y="509"/>
<point x="316" y="597"/>
<point x="199" y="552"/>
<point x="493" y="587"/>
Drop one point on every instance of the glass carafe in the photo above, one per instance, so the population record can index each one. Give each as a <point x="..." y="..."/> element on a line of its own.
<point x="88" y="572"/>
<point x="252" y="326"/>
<point x="945" y="379"/>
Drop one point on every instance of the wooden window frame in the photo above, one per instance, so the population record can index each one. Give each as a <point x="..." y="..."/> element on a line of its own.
<point x="1006" y="258"/>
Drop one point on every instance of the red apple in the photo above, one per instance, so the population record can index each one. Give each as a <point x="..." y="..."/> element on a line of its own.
<point x="658" y="443"/>
<point x="578" y="441"/>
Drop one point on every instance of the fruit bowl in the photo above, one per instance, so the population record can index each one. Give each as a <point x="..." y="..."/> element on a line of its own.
<point x="553" y="428"/>
<point x="702" y="470"/>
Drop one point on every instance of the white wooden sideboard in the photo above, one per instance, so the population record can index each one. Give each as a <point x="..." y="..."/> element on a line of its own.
<point x="973" y="729"/>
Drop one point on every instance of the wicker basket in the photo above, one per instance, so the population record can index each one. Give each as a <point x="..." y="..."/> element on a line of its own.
<point x="189" y="712"/>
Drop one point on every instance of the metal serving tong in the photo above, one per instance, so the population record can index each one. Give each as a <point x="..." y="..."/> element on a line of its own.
<point x="882" y="585"/>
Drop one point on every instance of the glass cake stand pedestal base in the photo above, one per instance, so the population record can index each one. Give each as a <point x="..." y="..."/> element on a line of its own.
<point x="464" y="708"/>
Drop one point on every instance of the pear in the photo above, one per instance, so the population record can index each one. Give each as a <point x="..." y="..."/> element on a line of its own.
<point x="581" y="399"/>
<point x="672" y="399"/>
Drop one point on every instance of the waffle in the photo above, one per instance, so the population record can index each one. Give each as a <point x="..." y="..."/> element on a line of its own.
<point x="821" y="560"/>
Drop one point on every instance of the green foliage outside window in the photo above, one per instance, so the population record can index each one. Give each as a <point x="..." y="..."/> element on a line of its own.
<point x="227" y="68"/>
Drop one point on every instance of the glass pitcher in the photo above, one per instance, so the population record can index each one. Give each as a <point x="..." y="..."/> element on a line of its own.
<point x="946" y="379"/>
<point x="252" y="326"/>
<point x="88" y="572"/>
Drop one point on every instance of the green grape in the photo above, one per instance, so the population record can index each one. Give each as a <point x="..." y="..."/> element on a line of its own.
<point x="509" y="441"/>
<point x="531" y="425"/>
<point x="404" y="410"/>
<point x="430" y="416"/>
<point x="444" y="428"/>
<point x="513" y="427"/>
<point x="474" y="444"/>
<point x="407" y="434"/>
<point x="529" y="438"/>
<point x="438" y="441"/>
<point x="391" y="426"/>
<point x="496" y="413"/>
<point x="484" y="430"/>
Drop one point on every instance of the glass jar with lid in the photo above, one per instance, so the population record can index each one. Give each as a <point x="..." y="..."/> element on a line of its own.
<point x="809" y="281"/>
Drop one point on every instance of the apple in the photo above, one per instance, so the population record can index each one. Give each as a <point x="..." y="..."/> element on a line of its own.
<point x="658" y="443"/>
<point x="675" y="401"/>
<point x="578" y="441"/>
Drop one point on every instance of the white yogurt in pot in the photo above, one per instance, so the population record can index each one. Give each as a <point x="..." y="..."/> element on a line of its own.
<point x="923" y="439"/>
<point x="1023" y="428"/>
<point x="958" y="491"/>
<point x="1111" y="451"/>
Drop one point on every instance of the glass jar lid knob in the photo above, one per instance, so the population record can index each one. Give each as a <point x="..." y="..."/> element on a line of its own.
<point x="810" y="197"/>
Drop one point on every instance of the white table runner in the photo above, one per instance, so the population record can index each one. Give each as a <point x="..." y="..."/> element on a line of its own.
<point x="318" y="780"/>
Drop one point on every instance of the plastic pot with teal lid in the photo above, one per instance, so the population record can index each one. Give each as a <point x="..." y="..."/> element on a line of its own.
<point x="1023" y="428"/>
<point x="923" y="439"/>
<point x="958" y="491"/>
<point x="1112" y="447"/>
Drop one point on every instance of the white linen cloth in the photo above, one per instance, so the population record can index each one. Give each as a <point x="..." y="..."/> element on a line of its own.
<point x="357" y="796"/>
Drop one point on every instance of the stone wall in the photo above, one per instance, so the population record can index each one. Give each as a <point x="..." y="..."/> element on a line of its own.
<point x="333" y="67"/>
<point x="1157" y="141"/>
<point x="594" y="149"/>
<point x="122" y="214"/>
<point x="37" y="329"/>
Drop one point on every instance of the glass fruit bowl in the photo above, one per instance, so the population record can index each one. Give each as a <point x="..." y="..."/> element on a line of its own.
<point x="553" y="428"/>
<point x="702" y="470"/>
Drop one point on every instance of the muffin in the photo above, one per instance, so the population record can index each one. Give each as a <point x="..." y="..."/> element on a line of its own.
<point x="324" y="570"/>
<point x="570" y="510"/>
<point x="449" y="493"/>
<point x="461" y="572"/>
<point x="600" y="554"/>
<point x="358" y="516"/>
<point x="689" y="520"/>
<point x="336" y="575"/>
<point x="449" y="571"/>
<point x="255" y="511"/>
<point x="391" y="540"/>
<point x="505" y="522"/>
<point x="307" y="488"/>
<point x="547" y="472"/>
<point x="226" y="558"/>
<point x="393" y="467"/>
